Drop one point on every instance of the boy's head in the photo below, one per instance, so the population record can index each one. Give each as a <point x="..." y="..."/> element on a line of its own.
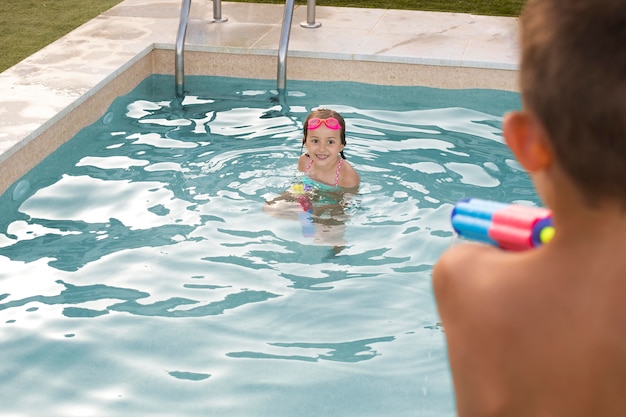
<point x="573" y="78"/>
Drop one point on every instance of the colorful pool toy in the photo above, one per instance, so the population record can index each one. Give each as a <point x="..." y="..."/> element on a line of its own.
<point x="299" y="190"/>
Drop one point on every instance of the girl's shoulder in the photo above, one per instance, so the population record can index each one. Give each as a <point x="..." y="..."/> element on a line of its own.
<point x="303" y="161"/>
<point x="348" y="177"/>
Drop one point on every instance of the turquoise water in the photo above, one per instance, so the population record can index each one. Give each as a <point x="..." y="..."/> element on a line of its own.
<point x="140" y="274"/>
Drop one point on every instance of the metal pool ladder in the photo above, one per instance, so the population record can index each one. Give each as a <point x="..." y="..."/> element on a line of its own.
<point x="179" y="64"/>
<point x="281" y="76"/>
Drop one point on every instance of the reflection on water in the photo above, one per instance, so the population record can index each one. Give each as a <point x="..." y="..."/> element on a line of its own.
<point x="358" y="350"/>
<point x="143" y="273"/>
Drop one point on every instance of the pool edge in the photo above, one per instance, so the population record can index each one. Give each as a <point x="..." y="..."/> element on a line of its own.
<point x="85" y="110"/>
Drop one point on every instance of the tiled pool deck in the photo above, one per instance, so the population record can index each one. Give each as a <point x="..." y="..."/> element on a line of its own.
<point x="49" y="96"/>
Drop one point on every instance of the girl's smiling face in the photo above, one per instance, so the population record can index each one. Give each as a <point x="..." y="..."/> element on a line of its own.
<point x="324" y="144"/>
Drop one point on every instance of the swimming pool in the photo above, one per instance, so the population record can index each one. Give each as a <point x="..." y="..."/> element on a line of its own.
<point x="141" y="275"/>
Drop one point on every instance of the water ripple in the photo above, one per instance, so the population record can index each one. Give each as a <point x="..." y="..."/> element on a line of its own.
<point x="143" y="262"/>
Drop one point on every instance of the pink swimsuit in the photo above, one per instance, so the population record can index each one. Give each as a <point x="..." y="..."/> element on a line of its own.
<point x="317" y="183"/>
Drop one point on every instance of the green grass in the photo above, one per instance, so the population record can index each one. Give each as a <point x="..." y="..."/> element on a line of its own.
<point x="26" y="26"/>
<point x="485" y="7"/>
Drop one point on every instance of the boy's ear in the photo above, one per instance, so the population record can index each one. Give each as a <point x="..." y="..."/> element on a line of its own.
<point x="527" y="139"/>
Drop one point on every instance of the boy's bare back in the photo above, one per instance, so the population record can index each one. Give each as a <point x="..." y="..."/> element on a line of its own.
<point x="543" y="332"/>
<point x="535" y="334"/>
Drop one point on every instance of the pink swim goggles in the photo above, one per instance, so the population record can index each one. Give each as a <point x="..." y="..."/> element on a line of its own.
<point x="330" y="123"/>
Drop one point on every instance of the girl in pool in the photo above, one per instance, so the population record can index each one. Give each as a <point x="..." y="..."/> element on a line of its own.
<point x="318" y="199"/>
<point x="324" y="164"/>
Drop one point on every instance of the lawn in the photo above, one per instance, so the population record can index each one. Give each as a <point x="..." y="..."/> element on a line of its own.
<point x="486" y="7"/>
<point x="26" y="26"/>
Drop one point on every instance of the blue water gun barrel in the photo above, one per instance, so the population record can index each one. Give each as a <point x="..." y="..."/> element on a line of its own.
<point x="508" y="226"/>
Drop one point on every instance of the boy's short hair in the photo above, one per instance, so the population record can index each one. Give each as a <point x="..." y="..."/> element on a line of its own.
<point x="573" y="78"/>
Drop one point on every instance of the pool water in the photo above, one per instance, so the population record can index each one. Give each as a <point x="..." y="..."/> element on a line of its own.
<point x="141" y="275"/>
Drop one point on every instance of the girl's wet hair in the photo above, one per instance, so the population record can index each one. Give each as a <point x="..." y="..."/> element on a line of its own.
<point x="325" y="114"/>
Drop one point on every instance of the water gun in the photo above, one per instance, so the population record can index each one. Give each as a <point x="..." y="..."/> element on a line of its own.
<point x="306" y="220"/>
<point x="508" y="226"/>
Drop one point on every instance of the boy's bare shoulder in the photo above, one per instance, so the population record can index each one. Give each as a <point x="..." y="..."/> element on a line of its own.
<point x="479" y="283"/>
<point x="463" y="264"/>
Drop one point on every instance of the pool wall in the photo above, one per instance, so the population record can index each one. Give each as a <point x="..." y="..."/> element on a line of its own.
<point x="50" y="96"/>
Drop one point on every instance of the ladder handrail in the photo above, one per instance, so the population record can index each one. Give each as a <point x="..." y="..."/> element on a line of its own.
<point x="179" y="64"/>
<point x="283" y="46"/>
<point x="217" y="12"/>
<point x="281" y="76"/>
<point x="310" y="16"/>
